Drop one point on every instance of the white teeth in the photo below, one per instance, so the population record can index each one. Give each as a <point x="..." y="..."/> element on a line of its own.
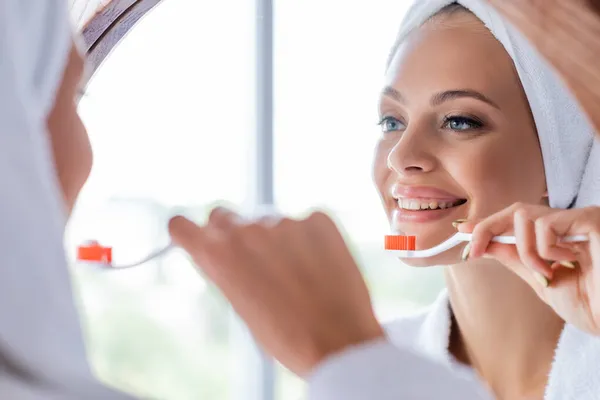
<point x="409" y="204"/>
<point x="413" y="204"/>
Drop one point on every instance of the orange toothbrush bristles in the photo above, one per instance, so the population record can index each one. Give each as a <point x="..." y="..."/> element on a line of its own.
<point x="93" y="251"/>
<point x="400" y="242"/>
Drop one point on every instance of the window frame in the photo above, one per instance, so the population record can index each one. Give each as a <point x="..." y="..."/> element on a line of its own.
<point x="263" y="158"/>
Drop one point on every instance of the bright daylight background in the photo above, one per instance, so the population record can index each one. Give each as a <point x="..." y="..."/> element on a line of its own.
<point x="171" y="118"/>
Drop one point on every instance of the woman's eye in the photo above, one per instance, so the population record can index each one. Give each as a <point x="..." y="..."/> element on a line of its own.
<point x="391" y="124"/>
<point x="461" y="123"/>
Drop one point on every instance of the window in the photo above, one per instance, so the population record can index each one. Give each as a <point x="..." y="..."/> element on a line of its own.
<point x="172" y="116"/>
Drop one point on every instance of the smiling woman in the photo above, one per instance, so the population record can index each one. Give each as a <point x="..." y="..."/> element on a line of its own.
<point x="446" y="137"/>
<point x="466" y="132"/>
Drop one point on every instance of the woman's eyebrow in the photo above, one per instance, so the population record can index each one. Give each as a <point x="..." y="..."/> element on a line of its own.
<point x="444" y="96"/>
<point x="394" y="94"/>
<point x="448" y="95"/>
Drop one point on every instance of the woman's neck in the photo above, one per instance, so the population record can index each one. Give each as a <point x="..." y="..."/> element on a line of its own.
<point x="501" y="328"/>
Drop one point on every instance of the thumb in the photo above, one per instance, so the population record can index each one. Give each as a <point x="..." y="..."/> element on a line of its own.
<point x="507" y="254"/>
<point x="466" y="226"/>
<point x="185" y="233"/>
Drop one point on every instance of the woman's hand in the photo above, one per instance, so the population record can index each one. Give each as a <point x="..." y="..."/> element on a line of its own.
<point x="294" y="282"/>
<point x="565" y="276"/>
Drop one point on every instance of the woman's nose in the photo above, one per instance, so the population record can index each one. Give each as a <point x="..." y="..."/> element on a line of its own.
<point x="412" y="155"/>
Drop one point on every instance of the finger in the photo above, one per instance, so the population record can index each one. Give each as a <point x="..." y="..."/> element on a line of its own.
<point x="582" y="221"/>
<point x="325" y="231"/>
<point x="245" y="237"/>
<point x="466" y="226"/>
<point x="547" y="241"/>
<point x="186" y="234"/>
<point x="527" y="244"/>
<point x="223" y="219"/>
<point x="500" y="223"/>
<point x="195" y="240"/>
<point x="495" y="224"/>
<point x="255" y="237"/>
<point x="327" y="237"/>
<point x="222" y="262"/>
<point x="270" y="218"/>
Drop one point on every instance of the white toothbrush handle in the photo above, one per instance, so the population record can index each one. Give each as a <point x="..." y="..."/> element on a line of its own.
<point x="460" y="237"/>
<point x="151" y="256"/>
<point x="144" y="260"/>
<point x="565" y="239"/>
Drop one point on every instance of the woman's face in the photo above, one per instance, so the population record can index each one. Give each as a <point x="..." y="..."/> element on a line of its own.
<point x="68" y="136"/>
<point x="458" y="139"/>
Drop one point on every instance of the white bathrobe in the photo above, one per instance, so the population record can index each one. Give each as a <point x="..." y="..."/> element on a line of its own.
<point x="575" y="372"/>
<point x="396" y="369"/>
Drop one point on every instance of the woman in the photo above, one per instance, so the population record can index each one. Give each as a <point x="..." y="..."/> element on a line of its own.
<point x="458" y="132"/>
<point x="45" y="161"/>
<point x="452" y="135"/>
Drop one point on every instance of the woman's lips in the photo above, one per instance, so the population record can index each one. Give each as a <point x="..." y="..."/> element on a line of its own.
<point x="421" y="192"/>
<point x="400" y="215"/>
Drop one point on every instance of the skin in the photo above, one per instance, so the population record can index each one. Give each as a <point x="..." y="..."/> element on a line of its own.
<point x="492" y="164"/>
<point x="70" y="142"/>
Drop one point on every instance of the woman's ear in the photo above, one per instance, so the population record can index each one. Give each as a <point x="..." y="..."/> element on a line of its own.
<point x="71" y="147"/>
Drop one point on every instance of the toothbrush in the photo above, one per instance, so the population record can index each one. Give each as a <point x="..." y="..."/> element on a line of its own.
<point x="93" y="252"/>
<point x="404" y="246"/>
